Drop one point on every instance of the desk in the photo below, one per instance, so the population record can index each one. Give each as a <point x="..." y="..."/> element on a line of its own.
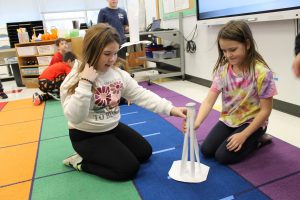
<point x="7" y="53"/>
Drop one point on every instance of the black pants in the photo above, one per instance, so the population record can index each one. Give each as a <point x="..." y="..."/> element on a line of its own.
<point x="115" y="155"/>
<point x="215" y="143"/>
<point x="46" y="85"/>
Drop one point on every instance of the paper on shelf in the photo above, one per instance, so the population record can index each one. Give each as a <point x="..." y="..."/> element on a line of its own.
<point x="127" y="44"/>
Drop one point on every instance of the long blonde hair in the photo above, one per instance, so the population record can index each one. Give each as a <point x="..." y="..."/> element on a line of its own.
<point x="238" y="30"/>
<point x="95" y="40"/>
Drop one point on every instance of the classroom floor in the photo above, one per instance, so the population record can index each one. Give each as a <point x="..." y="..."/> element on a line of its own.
<point x="281" y="125"/>
<point x="35" y="137"/>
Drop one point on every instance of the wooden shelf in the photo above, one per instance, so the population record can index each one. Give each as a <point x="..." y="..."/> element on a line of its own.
<point x="31" y="80"/>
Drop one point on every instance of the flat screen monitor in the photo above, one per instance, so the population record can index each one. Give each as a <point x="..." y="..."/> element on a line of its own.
<point x="220" y="11"/>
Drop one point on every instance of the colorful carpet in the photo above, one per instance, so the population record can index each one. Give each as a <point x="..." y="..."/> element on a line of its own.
<point x="34" y="141"/>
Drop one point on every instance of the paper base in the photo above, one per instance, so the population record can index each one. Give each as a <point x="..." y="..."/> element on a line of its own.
<point x="201" y="172"/>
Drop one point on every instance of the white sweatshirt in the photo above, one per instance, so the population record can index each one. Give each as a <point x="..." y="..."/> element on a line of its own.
<point x="100" y="112"/>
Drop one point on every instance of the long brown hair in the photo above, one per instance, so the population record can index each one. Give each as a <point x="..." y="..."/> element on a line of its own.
<point x="238" y="30"/>
<point x="95" y="40"/>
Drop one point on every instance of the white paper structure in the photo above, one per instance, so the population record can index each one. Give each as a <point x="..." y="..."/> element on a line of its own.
<point x="133" y="19"/>
<point x="189" y="171"/>
<point x="127" y="44"/>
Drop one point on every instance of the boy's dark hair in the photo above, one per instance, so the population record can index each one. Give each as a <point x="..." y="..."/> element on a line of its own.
<point x="69" y="56"/>
<point x="58" y="40"/>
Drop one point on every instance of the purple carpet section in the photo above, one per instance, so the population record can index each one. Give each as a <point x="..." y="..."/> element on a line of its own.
<point x="270" y="169"/>
<point x="273" y="169"/>
<point x="287" y="188"/>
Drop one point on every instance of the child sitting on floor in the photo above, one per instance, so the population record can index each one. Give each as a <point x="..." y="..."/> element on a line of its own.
<point x="52" y="77"/>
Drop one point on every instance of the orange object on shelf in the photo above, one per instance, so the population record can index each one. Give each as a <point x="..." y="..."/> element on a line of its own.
<point x="54" y="33"/>
<point x="48" y="36"/>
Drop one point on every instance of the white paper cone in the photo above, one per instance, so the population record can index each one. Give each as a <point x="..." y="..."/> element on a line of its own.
<point x="133" y="18"/>
<point x="185" y="170"/>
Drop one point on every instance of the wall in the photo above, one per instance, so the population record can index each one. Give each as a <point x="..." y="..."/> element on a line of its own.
<point x="275" y="41"/>
<point x="13" y="11"/>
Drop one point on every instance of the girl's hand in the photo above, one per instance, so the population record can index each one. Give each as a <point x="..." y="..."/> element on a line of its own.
<point x="89" y="73"/>
<point x="184" y="126"/>
<point x="236" y="141"/>
<point x="179" y="112"/>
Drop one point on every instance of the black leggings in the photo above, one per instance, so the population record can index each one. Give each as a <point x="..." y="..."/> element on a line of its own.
<point x="46" y="85"/>
<point x="115" y="155"/>
<point x="215" y="143"/>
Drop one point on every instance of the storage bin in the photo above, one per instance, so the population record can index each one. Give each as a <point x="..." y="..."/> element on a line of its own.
<point x="170" y="54"/>
<point x="46" y="49"/>
<point x="152" y="47"/>
<point x="30" y="71"/>
<point x="164" y="54"/>
<point x="158" y="54"/>
<point x="27" y="51"/>
<point x="44" y="60"/>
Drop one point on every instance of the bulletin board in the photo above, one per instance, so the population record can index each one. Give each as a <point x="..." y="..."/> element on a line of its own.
<point x="170" y="9"/>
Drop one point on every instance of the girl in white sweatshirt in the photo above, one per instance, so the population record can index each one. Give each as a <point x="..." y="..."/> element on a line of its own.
<point x="90" y="98"/>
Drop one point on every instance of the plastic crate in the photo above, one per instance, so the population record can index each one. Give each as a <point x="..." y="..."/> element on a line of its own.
<point x="44" y="60"/>
<point x="164" y="54"/>
<point x="158" y="54"/>
<point x="27" y="51"/>
<point x="30" y="71"/>
<point x="46" y="49"/>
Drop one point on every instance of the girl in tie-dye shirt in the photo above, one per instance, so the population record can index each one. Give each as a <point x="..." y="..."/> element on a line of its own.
<point x="246" y="83"/>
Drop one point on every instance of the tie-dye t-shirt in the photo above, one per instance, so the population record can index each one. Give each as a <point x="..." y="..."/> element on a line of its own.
<point x="241" y="94"/>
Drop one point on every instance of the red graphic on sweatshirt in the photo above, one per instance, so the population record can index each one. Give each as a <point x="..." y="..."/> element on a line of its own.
<point x="102" y="96"/>
<point x="116" y="87"/>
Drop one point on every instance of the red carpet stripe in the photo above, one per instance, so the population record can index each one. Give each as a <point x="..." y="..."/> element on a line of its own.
<point x="2" y="104"/>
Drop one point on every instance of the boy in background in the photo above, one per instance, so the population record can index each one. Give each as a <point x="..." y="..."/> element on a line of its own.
<point x="52" y="77"/>
<point x="117" y="18"/>
<point x="62" y="47"/>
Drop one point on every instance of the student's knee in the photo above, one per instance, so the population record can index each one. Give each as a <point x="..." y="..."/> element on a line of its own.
<point x="128" y="172"/>
<point x="206" y="151"/>
<point x="225" y="157"/>
<point x="147" y="152"/>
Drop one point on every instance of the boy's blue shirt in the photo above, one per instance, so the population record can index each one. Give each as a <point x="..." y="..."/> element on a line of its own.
<point x="117" y="18"/>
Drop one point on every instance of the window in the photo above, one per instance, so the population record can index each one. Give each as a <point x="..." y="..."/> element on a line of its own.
<point x="4" y="40"/>
<point x="63" y="20"/>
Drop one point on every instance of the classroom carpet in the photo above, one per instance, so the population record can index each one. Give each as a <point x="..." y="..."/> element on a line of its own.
<point x="34" y="141"/>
